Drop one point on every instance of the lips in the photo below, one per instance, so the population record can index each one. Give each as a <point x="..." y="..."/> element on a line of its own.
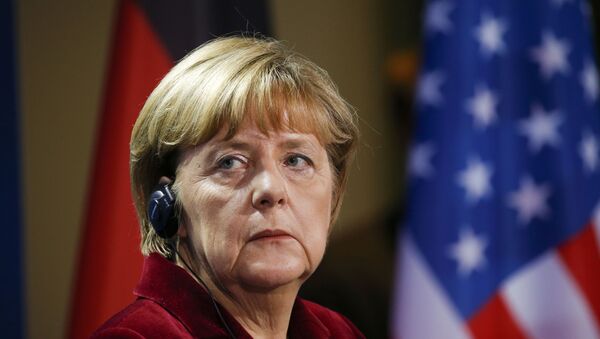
<point x="270" y="234"/>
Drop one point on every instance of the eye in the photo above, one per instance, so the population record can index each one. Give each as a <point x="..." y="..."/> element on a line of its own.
<point x="297" y="161"/>
<point x="230" y="163"/>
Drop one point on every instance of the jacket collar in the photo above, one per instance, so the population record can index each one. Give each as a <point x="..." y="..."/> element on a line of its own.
<point x="176" y="291"/>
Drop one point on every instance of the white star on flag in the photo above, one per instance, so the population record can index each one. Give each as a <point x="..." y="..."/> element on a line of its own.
<point x="541" y="128"/>
<point x="475" y="179"/>
<point x="482" y="107"/>
<point x="489" y="35"/>
<point x="551" y="55"/>
<point x="429" y="88"/>
<point x="589" y="81"/>
<point x="588" y="150"/>
<point x="437" y="17"/>
<point x="469" y="252"/>
<point x="530" y="200"/>
<point x="420" y="160"/>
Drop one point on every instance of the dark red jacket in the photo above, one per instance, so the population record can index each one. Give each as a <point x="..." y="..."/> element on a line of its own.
<point x="171" y="304"/>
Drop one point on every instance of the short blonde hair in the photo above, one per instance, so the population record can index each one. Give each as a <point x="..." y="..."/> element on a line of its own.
<point x="220" y="84"/>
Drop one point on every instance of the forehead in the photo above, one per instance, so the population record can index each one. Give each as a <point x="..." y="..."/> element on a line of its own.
<point x="279" y="114"/>
<point x="249" y="133"/>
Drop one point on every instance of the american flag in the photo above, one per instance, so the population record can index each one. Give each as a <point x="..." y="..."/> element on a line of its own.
<point x="502" y="233"/>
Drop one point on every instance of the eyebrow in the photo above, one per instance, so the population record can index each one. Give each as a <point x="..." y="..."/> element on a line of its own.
<point x="297" y="143"/>
<point x="291" y="142"/>
<point x="229" y="144"/>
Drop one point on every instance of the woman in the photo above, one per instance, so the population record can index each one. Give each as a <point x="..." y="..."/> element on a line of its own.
<point x="249" y="144"/>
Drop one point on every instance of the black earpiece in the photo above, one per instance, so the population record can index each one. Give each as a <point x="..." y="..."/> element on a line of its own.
<point x="161" y="211"/>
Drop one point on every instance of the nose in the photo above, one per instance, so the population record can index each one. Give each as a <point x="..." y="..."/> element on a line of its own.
<point x="268" y="188"/>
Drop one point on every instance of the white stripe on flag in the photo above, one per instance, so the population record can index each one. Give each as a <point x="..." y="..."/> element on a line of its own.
<point x="421" y="309"/>
<point x="546" y="302"/>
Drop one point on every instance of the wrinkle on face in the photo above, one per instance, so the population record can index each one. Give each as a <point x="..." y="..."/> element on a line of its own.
<point x="222" y="216"/>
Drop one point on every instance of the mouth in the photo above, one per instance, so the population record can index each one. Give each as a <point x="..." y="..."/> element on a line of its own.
<point x="271" y="235"/>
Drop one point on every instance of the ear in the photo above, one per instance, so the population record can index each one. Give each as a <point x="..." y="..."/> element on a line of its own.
<point x="181" y="230"/>
<point x="165" y="180"/>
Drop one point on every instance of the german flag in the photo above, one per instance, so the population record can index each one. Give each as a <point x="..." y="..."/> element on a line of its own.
<point x="149" y="37"/>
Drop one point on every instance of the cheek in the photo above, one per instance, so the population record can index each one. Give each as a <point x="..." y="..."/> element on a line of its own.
<point x="202" y="204"/>
<point x="316" y="217"/>
<point x="214" y="213"/>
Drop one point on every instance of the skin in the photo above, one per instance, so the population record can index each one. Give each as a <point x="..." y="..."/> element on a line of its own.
<point x="256" y="216"/>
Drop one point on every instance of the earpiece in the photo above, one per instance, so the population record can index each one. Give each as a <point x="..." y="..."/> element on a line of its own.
<point x="161" y="211"/>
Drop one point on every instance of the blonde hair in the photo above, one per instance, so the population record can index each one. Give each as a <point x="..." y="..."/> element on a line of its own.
<point x="220" y="84"/>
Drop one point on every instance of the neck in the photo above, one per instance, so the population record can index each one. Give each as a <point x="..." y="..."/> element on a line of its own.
<point x="262" y="313"/>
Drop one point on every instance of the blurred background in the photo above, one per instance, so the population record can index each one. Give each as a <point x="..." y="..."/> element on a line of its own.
<point x="63" y="52"/>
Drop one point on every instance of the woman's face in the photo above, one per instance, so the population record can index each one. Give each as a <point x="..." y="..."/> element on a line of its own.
<point x="256" y="207"/>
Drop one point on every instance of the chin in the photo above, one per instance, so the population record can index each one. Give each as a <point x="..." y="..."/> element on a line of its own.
<point x="271" y="274"/>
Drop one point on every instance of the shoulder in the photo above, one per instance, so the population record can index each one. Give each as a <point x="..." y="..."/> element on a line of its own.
<point x="142" y="319"/>
<point x="338" y="325"/>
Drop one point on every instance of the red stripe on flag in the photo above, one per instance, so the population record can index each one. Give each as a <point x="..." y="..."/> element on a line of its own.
<point x="495" y="321"/>
<point x="110" y="261"/>
<point x="581" y="256"/>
